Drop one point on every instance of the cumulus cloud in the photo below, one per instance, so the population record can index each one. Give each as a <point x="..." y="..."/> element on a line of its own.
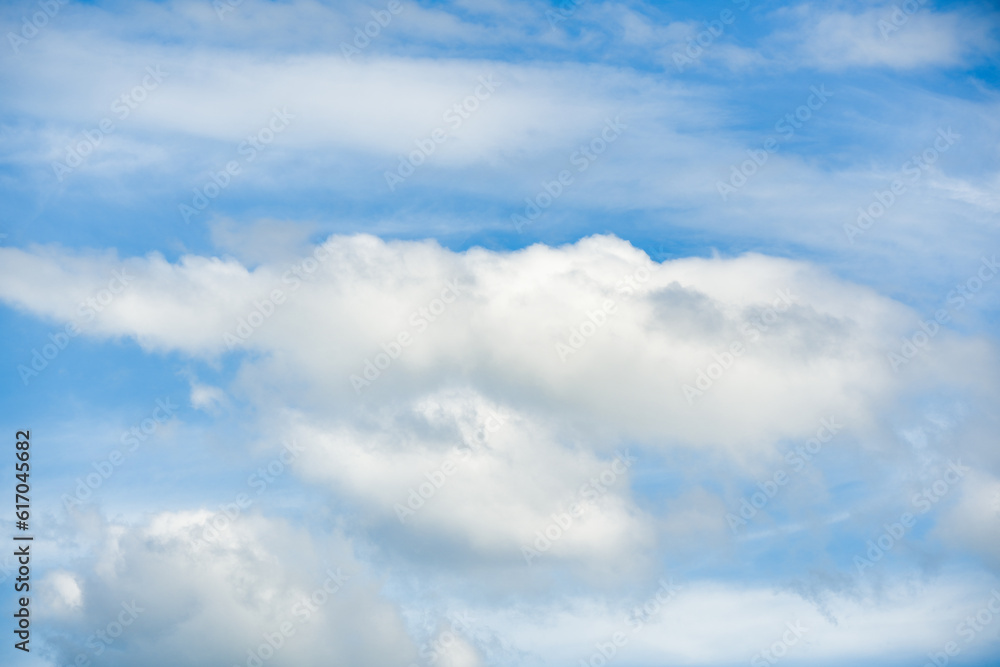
<point x="473" y="398"/>
<point x="593" y="329"/>
<point x="456" y="469"/>
<point x="197" y="588"/>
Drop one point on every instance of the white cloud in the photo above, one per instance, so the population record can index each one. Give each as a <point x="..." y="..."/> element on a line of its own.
<point x="378" y="106"/>
<point x="182" y="599"/>
<point x="211" y="602"/>
<point x="973" y="518"/>
<point x="455" y="468"/>
<point x="905" y="621"/>
<point x="207" y="398"/>
<point x="887" y="36"/>
<point x="823" y="349"/>
<point x="813" y="347"/>
<point x="983" y="195"/>
<point x="64" y="594"/>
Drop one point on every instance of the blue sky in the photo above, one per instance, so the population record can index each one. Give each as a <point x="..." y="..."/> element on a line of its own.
<point x="273" y="274"/>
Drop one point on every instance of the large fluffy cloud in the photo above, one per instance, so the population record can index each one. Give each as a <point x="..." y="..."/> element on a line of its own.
<point x="593" y="329"/>
<point x="517" y="377"/>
